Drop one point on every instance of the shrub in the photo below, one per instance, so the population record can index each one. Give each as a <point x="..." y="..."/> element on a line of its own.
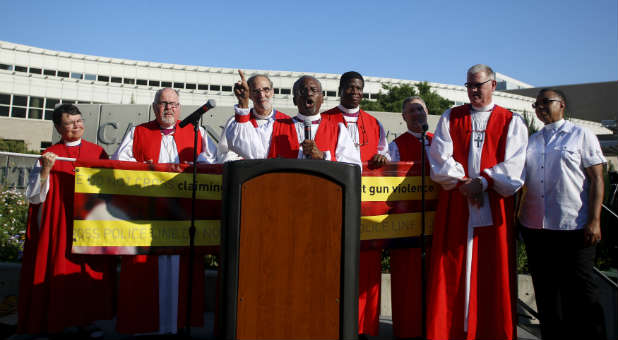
<point x="13" y="217"/>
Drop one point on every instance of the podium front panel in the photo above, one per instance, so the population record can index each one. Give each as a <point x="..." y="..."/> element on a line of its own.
<point x="291" y="290"/>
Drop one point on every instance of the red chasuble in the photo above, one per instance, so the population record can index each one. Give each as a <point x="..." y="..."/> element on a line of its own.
<point x="370" y="267"/>
<point x="58" y="289"/>
<point x="138" y="286"/>
<point x="406" y="286"/>
<point x="492" y="281"/>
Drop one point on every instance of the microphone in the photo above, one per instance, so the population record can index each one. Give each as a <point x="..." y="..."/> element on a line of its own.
<point x="308" y="129"/>
<point x="195" y="116"/>
<point x="425" y="127"/>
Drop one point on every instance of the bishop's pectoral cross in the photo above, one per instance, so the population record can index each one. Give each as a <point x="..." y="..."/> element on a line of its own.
<point x="479" y="139"/>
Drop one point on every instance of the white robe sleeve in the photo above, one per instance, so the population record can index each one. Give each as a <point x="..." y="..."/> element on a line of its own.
<point x="125" y="150"/>
<point x="243" y="138"/>
<point x="444" y="169"/>
<point x="346" y="151"/>
<point x="393" y="152"/>
<point x="209" y="149"/>
<point x="35" y="192"/>
<point x="224" y="154"/>
<point x="509" y="176"/>
<point x="383" y="145"/>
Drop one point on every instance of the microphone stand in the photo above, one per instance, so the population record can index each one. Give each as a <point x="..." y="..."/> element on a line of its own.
<point x="192" y="231"/>
<point x="423" y="254"/>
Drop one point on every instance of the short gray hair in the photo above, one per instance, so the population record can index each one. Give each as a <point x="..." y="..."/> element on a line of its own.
<point x="482" y="68"/>
<point x="160" y="92"/>
<point x="251" y="80"/>
<point x="409" y="99"/>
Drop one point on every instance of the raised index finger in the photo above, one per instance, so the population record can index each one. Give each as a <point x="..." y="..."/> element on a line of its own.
<point x="242" y="76"/>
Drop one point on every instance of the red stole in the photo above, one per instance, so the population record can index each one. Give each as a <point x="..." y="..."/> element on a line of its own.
<point x="327" y="137"/>
<point x="410" y="147"/>
<point x="368" y="131"/>
<point x="283" y="141"/>
<point x="147" y="142"/>
<point x="59" y="289"/>
<point x="492" y="280"/>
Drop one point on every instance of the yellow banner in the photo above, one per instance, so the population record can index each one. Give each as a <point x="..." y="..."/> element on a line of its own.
<point x="396" y="188"/>
<point x="395" y="225"/>
<point x="118" y="233"/>
<point x="146" y="183"/>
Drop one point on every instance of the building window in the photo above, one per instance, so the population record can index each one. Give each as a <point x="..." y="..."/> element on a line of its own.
<point x="20" y="100"/>
<point x="285" y="91"/>
<point x="6" y="67"/>
<point x="51" y="103"/>
<point x="90" y="76"/>
<point x="166" y="84"/>
<point x="36" y="102"/>
<point x="331" y="93"/>
<point x="215" y="87"/>
<point x="276" y="90"/>
<point x="75" y="75"/>
<point x="116" y="80"/>
<point x="35" y="70"/>
<point x="5" y="99"/>
<point x="203" y="87"/>
<point x="129" y="81"/>
<point x="18" y="112"/>
<point x="179" y="85"/>
<point x="366" y="95"/>
<point x="4" y="111"/>
<point x="49" y="72"/>
<point x="104" y="79"/>
<point x="142" y="82"/>
<point x="226" y="88"/>
<point x="154" y="83"/>
<point x="63" y="74"/>
<point x="190" y="86"/>
<point x="49" y="114"/>
<point x="35" y="113"/>
<point x="45" y="145"/>
<point x="21" y="68"/>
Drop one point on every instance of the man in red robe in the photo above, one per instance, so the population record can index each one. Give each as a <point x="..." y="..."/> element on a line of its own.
<point x="59" y="289"/>
<point x="406" y="284"/>
<point x="370" y="140"/>
<point x="152" y="290"/>
<point x="477" y="155"/>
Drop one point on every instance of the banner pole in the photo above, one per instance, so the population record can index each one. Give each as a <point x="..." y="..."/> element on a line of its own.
<point x="192" y="233"/>
<point x="423" y="254"/>
<point x="29" y="155"/>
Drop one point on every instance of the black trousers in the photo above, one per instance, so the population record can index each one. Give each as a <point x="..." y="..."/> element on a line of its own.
<point x="566" y="293"/>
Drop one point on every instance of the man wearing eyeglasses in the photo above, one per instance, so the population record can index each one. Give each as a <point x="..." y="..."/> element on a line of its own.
<point x="477" y="154"/>
<point x="370" y="141"/>
<point x="148" y="289"/>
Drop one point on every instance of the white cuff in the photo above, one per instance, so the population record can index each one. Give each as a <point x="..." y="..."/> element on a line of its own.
<point x="241" y="111"/>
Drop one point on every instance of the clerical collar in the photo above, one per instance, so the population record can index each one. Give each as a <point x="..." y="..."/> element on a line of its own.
<point x="349" y="112"/>
<point x="415" y="134"/>
<point x="315" y="119"/>
<point x="260" y="117"/>
<point x="73" y="143"/>
<point x="487" y="108"/>
<point x="555" y="126"/>
<point x="166" y="132"/>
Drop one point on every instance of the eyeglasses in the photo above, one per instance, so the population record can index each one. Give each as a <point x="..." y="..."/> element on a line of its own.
<point x="476" y="85"/>
<point x="74" y="122"/>
<point x="263" y="89"/>
<point x="544" y="102"/>
<point x="173" y="105"/>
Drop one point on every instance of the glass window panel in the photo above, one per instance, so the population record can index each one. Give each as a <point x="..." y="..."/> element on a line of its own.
<point x="45" y="145"/>
<point x="35" y="70"/>
<point x="90" y="76"/>
<point x="331" y="93"/>
<point x="142" y="82"/>
<point x="116" y="80"/>
<point x="49" y="72"/>
<point x="226" y="88"/>
<point x="4" y="111"/>
<point x="190" y="86"/>
<point x="154" y="83"/>
<point x="285" y="91"/>
<point x="36" y="102"/>
<point x="35" y="113"/>
<point x="20" y="100"/>
<point x="21" y="68"/>
<point x="5" y="98"/>
<point x="6" y="67"/>
<point x="49" y="114"/>
<point x="215" y="87"/>
<point x="63" y="74"/>
<point x="276" y="90"/>
<point x="366" y="95"/>
<point x="166" y="84"/>
<point x="104" y="79"/>
<point x="50" y="103"/>
<point x="18" y="112"/>
<point x="129" y="81"/>
<point x="179" y="85"/>
<point x="76" y="75"/>
<point x="202" y="87"/>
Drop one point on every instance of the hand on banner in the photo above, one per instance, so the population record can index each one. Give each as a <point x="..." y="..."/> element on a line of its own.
<point x="378" y="160"/>
<point x="310" y="150"/>
<point x="47" y="162"/>
<point x="241" y="91"/>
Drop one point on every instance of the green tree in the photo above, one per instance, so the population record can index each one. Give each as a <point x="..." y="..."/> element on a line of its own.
<point x="395" y="94"/>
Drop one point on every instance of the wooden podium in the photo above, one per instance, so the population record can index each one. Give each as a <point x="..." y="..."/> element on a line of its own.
<point x="290" y="244"/>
